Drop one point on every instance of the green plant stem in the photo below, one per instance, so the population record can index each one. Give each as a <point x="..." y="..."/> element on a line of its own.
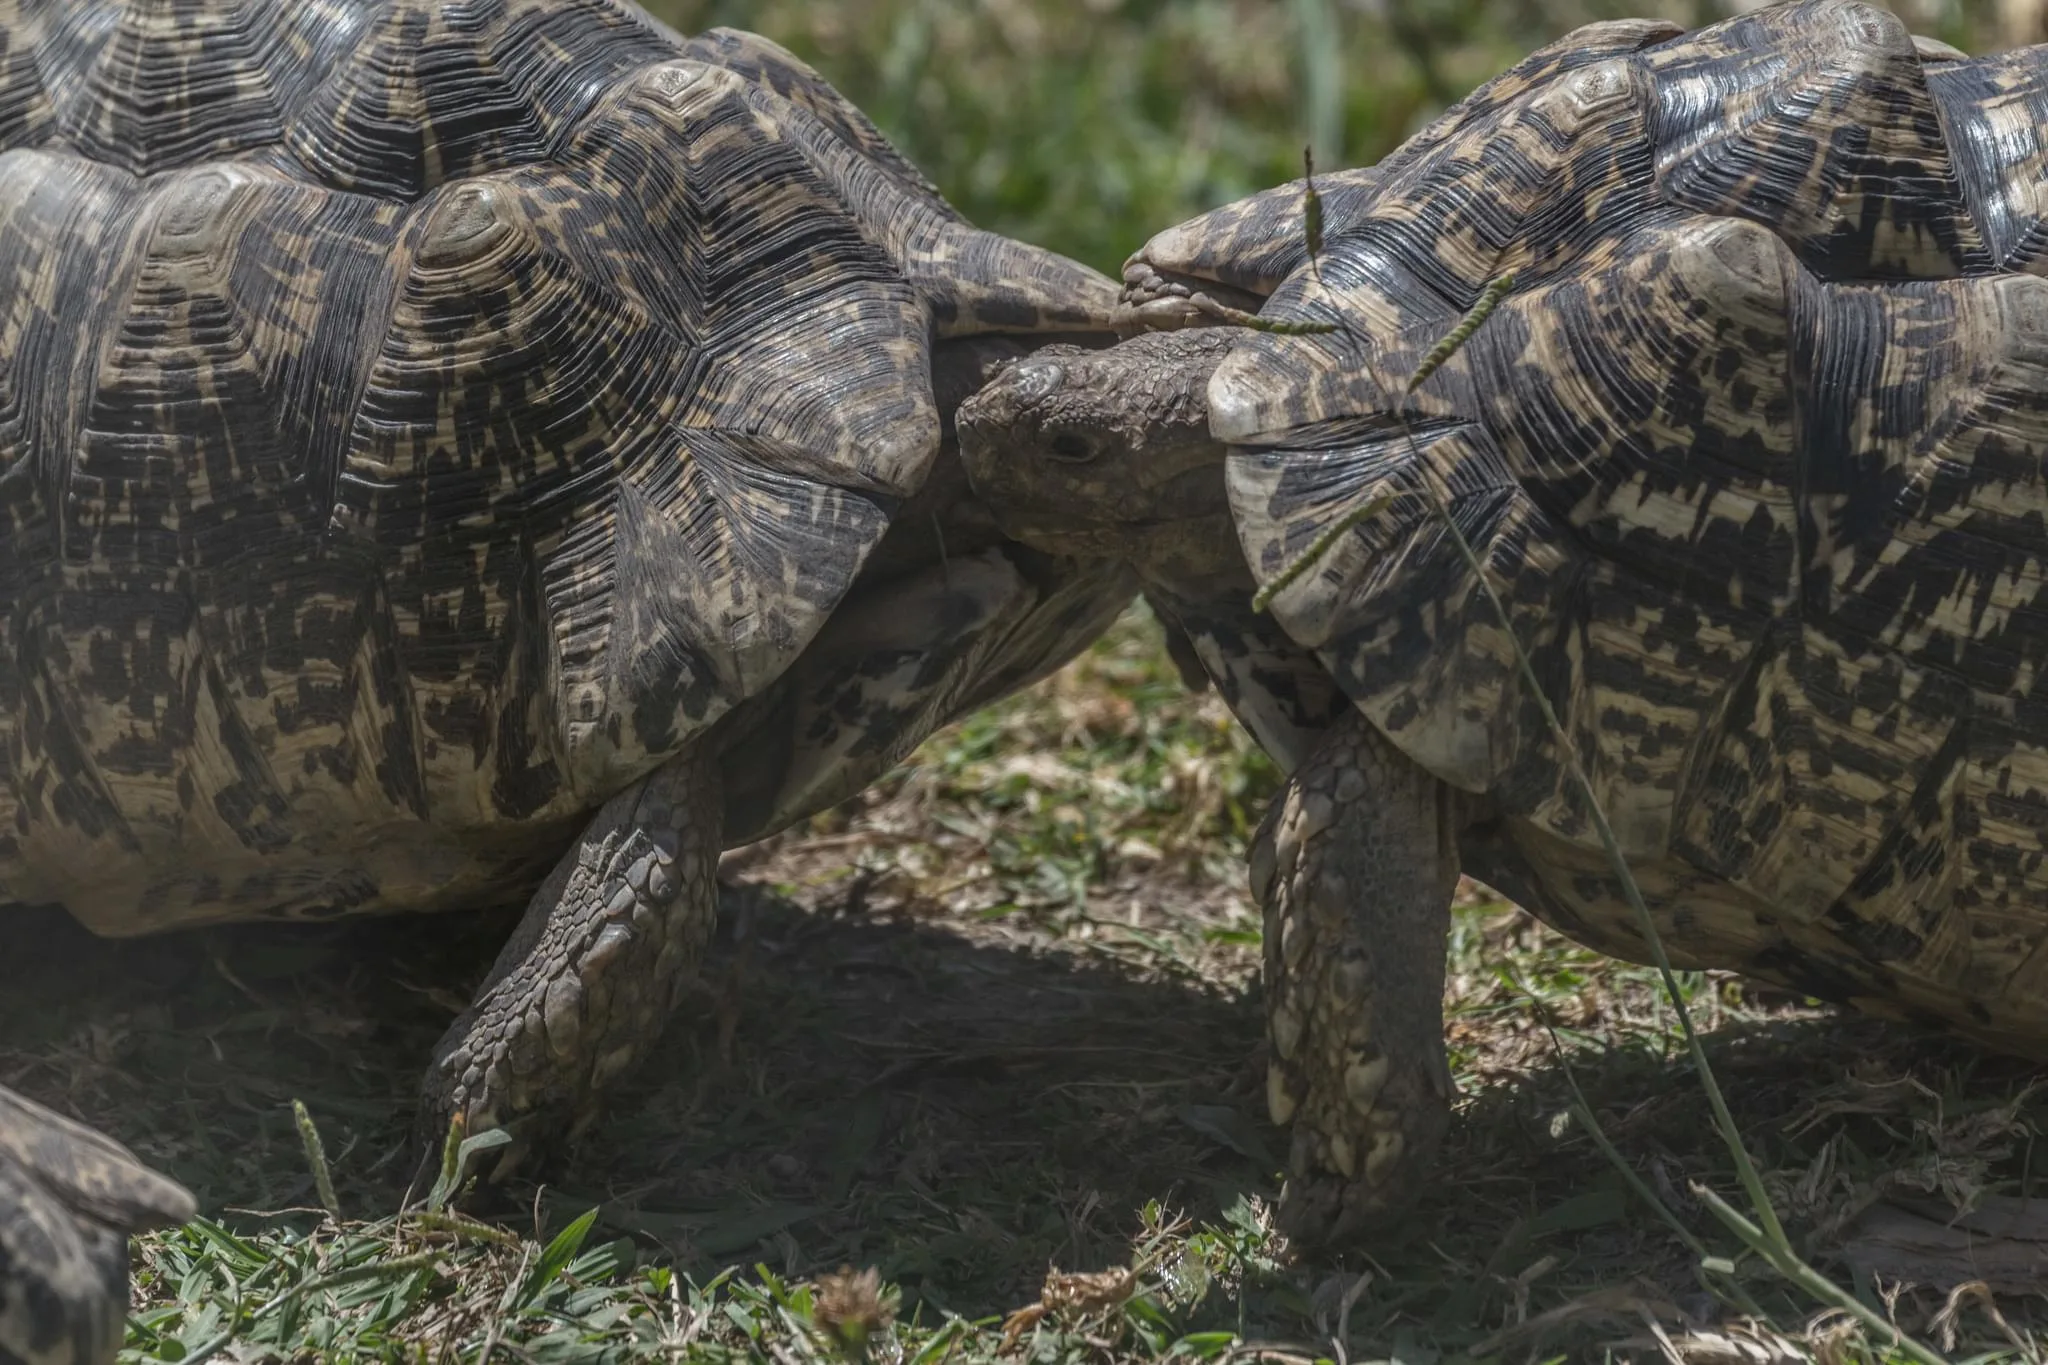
<point x="1237" y="317"/>
<point x="1724" y="1120"/>
<point x="1746" y="1171"/>
<point x="469" y="1229"/>
<point x="1450" y="342"/>
<point x="1582" y="1109"/>
<point x="1317" y="548"/>
<point x="1787" y="1263"/>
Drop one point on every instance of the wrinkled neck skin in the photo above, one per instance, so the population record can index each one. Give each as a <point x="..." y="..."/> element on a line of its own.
<point x="1108" y="453"/>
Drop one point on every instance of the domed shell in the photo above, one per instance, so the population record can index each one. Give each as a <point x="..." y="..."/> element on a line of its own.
<point x="432" y="412"/>
<point x="1751" y="454"/>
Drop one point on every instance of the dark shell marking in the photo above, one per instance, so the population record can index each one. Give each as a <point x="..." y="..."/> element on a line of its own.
<point x="419" y="418"/>
<point x="1754" y="451"/>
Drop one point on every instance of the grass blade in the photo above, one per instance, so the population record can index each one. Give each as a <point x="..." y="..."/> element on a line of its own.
<point x="561" y="1250"/>
<point x="457" y="1152"/>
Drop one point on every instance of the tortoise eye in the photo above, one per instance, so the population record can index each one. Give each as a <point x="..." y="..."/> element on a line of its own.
<point x="1071" y="447"/>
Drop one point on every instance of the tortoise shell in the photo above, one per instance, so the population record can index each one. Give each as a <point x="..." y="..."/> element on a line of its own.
<point x="418" y="418"/>
<point x="1752" y="452"/>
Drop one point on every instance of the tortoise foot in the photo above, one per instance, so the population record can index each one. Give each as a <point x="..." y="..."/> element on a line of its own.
<point x="581" y="993"/>
<point x="1358" y="1171"/>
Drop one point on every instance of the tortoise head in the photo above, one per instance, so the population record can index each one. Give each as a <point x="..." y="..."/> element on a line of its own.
<point x="1110" y="452"/>
<point x="1105" y="452"/>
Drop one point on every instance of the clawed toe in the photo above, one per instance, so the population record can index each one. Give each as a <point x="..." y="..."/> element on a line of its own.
<point x="1323" y="1206"/>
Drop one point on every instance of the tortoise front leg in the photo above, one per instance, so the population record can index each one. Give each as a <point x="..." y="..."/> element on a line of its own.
<point x="1355" y="867"/>
<point x="581" y="992"/>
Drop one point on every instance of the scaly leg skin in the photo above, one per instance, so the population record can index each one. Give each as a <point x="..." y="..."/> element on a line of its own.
<point x="581" y="992"/>
<point x="1355" y="867"/>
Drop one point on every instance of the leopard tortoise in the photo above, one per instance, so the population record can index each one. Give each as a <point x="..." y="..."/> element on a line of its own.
<point x="455" y="451"/>
<point x="1752" y="452"/>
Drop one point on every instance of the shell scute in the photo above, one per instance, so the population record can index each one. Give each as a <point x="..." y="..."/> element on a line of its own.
<point x="1816" y="120"/>
<point x="772" y="66"/>
<point x="174" y="82"/>
<point x="26" y="113"/>
<point x="433" y="93"/>
<point x="199" y="643"/>
<point x="711" y="367"/>
<point x="1996" y="110"/>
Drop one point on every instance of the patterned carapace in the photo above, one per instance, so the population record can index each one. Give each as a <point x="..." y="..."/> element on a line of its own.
<point x="446" y="440"/>
<point x="1756" y="452"/>
<point x="418" y="418"/>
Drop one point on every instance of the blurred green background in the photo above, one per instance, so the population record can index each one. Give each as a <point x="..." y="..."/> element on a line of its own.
<point x="1087" y="125"/>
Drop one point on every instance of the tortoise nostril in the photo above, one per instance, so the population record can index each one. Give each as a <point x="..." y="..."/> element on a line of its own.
<point x="1069" y="446"/>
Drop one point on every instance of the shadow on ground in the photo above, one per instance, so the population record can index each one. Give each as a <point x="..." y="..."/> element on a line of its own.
<point x="840" y="1089"/>
<point x="874" y="1090"/>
